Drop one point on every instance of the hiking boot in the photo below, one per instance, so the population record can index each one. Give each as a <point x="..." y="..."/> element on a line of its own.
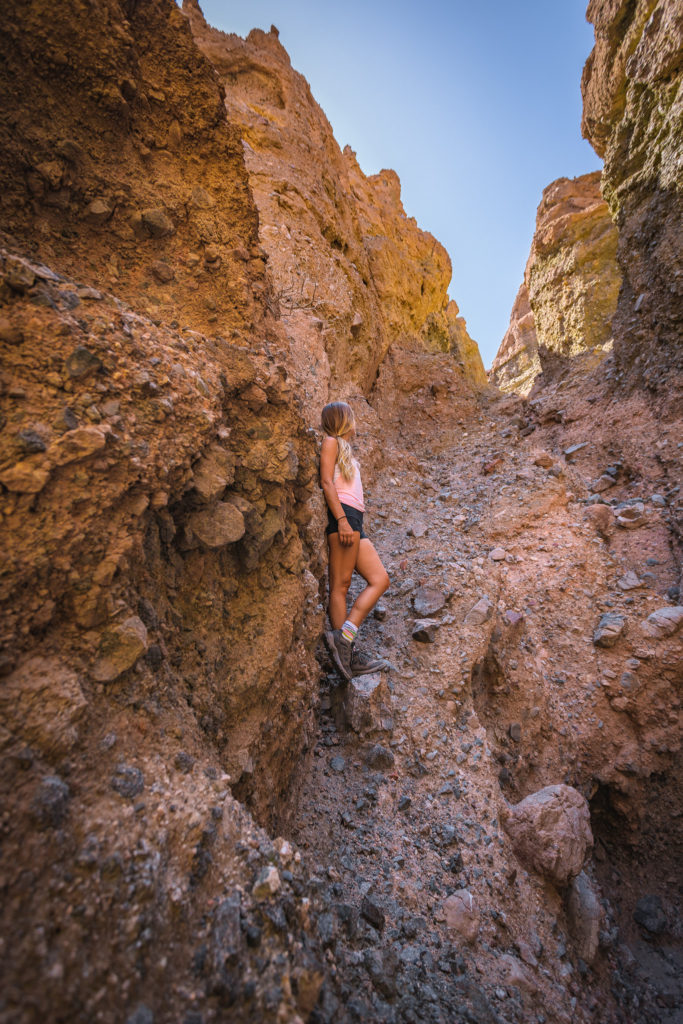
<point x="362" y="663"/>
<point x="341" y="651"/>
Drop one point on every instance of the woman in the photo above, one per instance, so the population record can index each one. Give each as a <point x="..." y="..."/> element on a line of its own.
<point x="349" y="547"/>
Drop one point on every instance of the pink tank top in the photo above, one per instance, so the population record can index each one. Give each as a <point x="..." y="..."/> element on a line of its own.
<point x="349" y="492"/>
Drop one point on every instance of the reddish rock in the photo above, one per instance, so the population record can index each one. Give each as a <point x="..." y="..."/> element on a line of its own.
<point x="550" y="832"/>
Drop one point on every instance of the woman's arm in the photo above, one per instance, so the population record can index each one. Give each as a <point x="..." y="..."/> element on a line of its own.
<point x="328" y="459"/>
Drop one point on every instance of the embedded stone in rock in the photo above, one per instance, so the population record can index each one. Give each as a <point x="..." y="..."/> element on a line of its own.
<point x="78" y="444"/>
<point x="379" y="757"/>
<point x="380" y="612"/>
<point x="424" y="630"/>
<point x="26" y="477"/>
<point x="512" y="617"/>
<point x="609" y="629"/>
<point x="543" y="460"/>
<point x="356" y="325"/>
<point x="497" y="555"/>
<point x="267" y="883"/>
<point x="649" y="914"/>
<point x="417" y="530"/>
<point x="461" y="914"/>
<point x="632" y="517"/>
<point x="217" y="526"/>
<point x="98" y="211"/>
<point x="51" y="802"/>
<point x="42" y="702"/>
<point x="362" y="704"/>
<point x="584" y="915"/>
<point x="213" y="473"/>
<point x="372" y="913"/>
<point x="479" y="613"/>
<point x="629" y="581"/>
<point x="516" y="976"/>
<point x="602" y="518"/>
<point x="184" y="762"/>
<point x="127" y="781"/>
<point x="9" y="333"/>
<point x="663" y="622"/>
<point x="162" y="271"/>
<point x="18" y="273"/>
<point x="82" y="362"/>
<point x="121" y="647"/>
<point x="427" y="602"/>
<point x="602" y="483"/>
<point x="550" y="831"/>
<point x="574" y="449"/>
<point x="157" y="223"/>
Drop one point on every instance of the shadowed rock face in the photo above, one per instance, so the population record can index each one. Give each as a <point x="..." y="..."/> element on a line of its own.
<point x="565" y="304"/>
<point x="633" y="116"/>
<point x="351" y="273"/>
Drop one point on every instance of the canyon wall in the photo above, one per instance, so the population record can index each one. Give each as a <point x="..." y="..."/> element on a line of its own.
<point x="633" y="117"/>
<point x="571" y="282"/>
<point x="351" y="273"/>
<point x="173" y="314"/>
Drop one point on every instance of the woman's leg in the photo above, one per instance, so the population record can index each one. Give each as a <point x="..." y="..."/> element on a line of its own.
<point x="369" y="565"/>
<point x="340" y="570"/>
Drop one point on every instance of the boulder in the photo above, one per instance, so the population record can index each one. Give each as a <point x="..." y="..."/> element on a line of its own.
<point x="363" y="703"/>
<point x="550" y="832"/>
<point x="218" y="525"/>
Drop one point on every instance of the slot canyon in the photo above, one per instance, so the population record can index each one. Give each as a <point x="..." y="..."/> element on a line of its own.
<point x="200" y="822"/>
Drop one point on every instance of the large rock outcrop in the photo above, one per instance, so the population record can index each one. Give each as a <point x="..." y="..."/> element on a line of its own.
<point x="571" y="283"/>
<point x="351" y="273"/>
<point x="633" y="117"/>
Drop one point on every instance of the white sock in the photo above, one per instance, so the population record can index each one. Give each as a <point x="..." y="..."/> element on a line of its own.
<point x="349" y="631"/>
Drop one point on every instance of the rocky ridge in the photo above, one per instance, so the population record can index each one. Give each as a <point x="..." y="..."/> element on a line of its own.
<point x="565" y="304"/>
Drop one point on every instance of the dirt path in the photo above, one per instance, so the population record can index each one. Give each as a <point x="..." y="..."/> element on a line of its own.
<point x="399" y="809"/>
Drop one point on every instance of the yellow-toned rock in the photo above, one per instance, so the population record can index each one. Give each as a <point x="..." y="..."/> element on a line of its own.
<point x="571" y="283"/>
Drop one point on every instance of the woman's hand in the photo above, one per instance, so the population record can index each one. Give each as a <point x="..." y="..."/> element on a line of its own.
<point x="345" y="532"/>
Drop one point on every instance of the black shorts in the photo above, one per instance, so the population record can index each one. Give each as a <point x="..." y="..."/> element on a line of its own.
<point x="354" y="517"/>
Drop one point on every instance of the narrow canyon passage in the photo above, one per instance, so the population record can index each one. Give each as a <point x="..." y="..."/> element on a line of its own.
<point x="498" y="689"/>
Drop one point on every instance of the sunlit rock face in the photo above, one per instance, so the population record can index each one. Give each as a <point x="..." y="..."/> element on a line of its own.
<point x="566" y="302"/>
<point x="633" y="117"/>
<point x="350" y="272"/>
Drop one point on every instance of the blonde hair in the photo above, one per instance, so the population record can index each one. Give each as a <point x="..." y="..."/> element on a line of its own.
<point x="337" y="420"/>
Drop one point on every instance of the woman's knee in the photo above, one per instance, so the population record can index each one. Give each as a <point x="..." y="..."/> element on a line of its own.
<point x="385" y="582"/>
<point x="340" y="585"/>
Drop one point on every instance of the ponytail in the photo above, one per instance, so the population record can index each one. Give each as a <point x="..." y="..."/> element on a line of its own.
<point x="337" y="421"/>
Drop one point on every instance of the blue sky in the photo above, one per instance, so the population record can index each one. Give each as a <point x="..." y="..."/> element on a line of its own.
<point x="477" y="107"/>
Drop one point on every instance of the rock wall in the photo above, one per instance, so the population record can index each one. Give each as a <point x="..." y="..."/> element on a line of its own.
<point x="161" y="591"/>
<point x="633" y="117"/>
<point x="351" y="273"/>
<point x="571" y="282"/>
<point x="160" y="595"/>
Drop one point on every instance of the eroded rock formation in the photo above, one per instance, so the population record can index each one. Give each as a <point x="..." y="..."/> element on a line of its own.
<point x="633" y="117"/>
<point x="351" y="273"/>
<point x="571" y="282"/>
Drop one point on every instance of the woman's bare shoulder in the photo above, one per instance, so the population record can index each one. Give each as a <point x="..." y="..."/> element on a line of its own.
<point x="329" y="444"/>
